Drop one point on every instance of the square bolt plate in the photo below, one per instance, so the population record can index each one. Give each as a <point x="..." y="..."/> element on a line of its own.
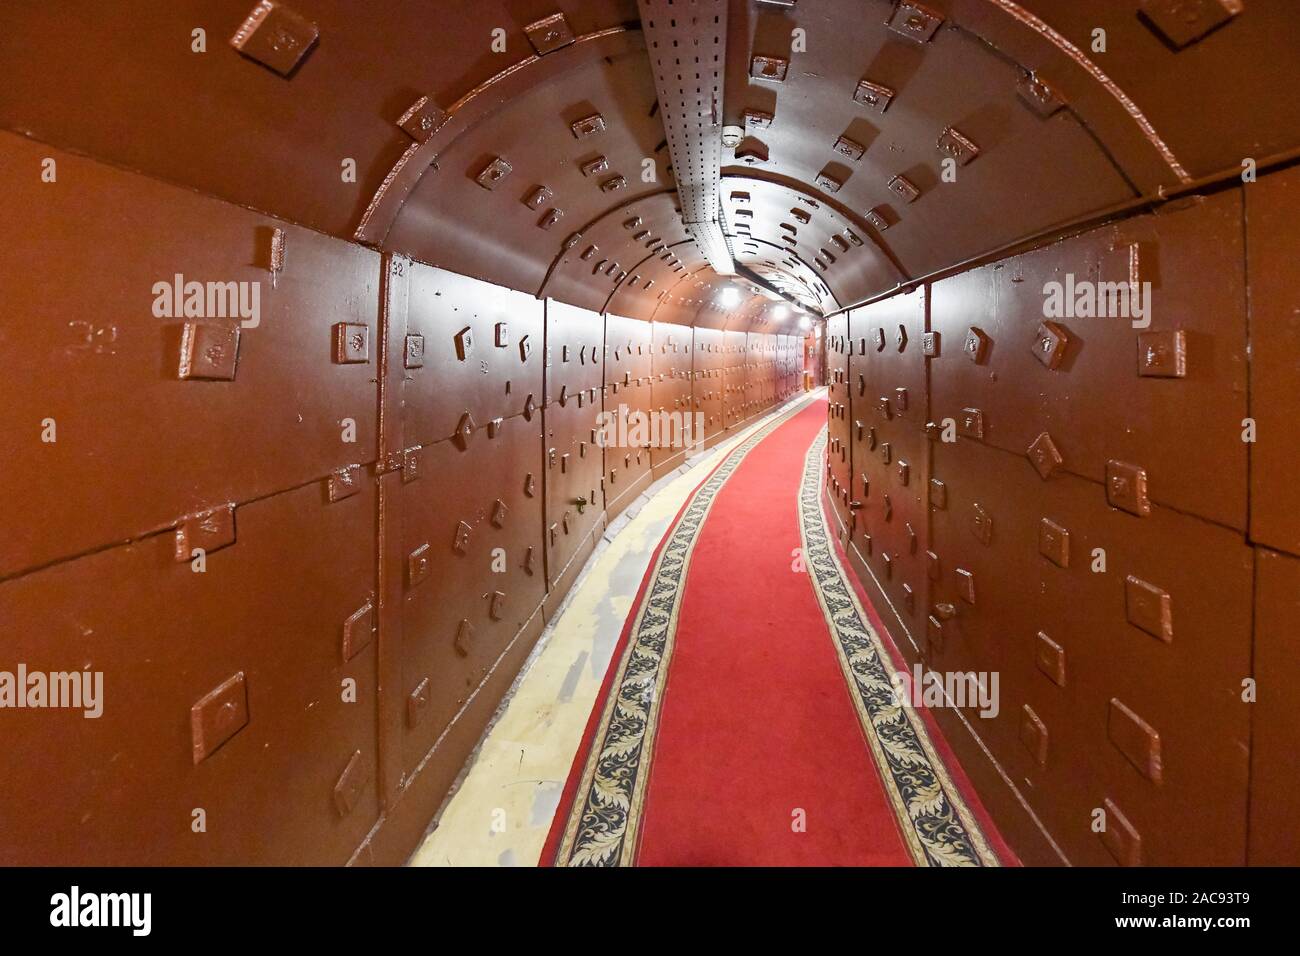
<point x="351" y="343"/>
<point x="275" y="36"/>
<point x="549" y="34"/>
<point x="208" y="351"/>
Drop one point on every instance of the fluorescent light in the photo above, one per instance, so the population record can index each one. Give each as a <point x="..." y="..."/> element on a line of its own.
<point x="805" y="323"/>
<point x="780" y="312"/>
<point x="729" y="296"/>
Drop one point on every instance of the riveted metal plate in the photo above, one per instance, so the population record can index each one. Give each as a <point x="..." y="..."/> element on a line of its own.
<point x="1149" y="608"/>
<point x="904" y="188"/>
<point x="413" y="352"/>
<point x="1050" y="344"/>
<point x="873" y="95"/>
<point x="1126" y="488"/>
<point x="1184" y="22"/>
<point x="588" y="126"/>
<point x="981" y="524"/>
<point x="464" y="431"/>
<point x="491" y="175"/>
<point x="275" y="36"/>
<point x="970" y="423"/>
<point x="410" y="465"/>
<point x="829" y="184"/>
<point x="1054" y="543"/>
<point x="597" y="164"/>
<point x="956" y="146"/>
<point x="461" y="537"/>
<point x="938" y="494"/>
<point x="417" y="703"/>
<point x="1049" y="658"/>
<point x="538" y="198"/>
<point x="613" y="184"/>
<point x="930" y="343"/>
<point x="965" y="584"/>
<point x="1162" y="354"/>
<point x="464" y="641"/>
<point x="217" y="716"/>
<point x="1039" y="95"/>
<point x="351" y="343"/>
<point x="755" y="119"/>
<point x="208" y="351"/>
<point x="915" y="21"/>
<point x="550" y="33"/>
<point x="1135" y="739"/>
<point x="358" y="630"/>
<point x="770" y="68"/>
<point x="1033" y="735"/>
<point x="977" y="345"/>
<point x="351" y="784"/>
<point x="1044" y="456"/>
<point x="1122" y="841"/>
<point x="422" y="119"/>
<point x="418" y="566"/>
<point x="343" y="483"/>
<point x="208" y="531"/>
<point x="850" y="150"/>
<point x="879" y="217"/>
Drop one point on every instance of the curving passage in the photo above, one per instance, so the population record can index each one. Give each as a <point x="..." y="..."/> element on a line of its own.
<point x="749" y="717"/>
<point x="315" y="309"/>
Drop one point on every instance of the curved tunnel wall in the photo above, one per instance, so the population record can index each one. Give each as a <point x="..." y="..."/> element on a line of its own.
<point x="460" y="260"/>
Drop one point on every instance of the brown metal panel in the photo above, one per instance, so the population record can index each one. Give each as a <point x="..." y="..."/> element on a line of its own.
<point x="481" y="353"/>
<point x="840" y="464"/>
<point x="575" y="347"/>
<point x="644" y="240"/>
<point x="887" y="385"/>
<point x="229" y="126"/>
<point x="492" y="227"/>
<point x="733" y="377"/>
<point x="573" y="467"/>
<point x="1275" y="804"/>
<point x="472" y="568"/>
<point x="787" y="228"/>
<point x="670" y="387"/>
<point x="1166" y="54"/>
<point x="952" y="80"/>
<point x="1182" y="695"/>
<point x="174" y="646"/>
<point x="96" y="380"/>
<point x="1273" y="246"/>
<point x="707" y="383"/>
<point x="627" y="391"/>
<point x="1091" y="398"/>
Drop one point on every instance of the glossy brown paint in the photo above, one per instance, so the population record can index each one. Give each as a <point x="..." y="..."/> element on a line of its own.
<point x="434" y="325"/>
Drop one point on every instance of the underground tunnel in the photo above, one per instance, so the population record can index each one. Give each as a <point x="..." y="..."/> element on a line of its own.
<point x="665" y="433"/>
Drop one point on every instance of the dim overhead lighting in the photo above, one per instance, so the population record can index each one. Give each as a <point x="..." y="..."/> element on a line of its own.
<point x="729" y="297"/>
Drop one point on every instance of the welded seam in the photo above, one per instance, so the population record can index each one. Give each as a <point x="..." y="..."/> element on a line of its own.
<point x="1074" y="53"/>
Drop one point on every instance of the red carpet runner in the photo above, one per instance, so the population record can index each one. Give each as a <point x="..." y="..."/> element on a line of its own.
<point x="727" y="733"/>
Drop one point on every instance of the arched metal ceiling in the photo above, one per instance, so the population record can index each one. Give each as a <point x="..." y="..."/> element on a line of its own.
<point x="507" y="139"/>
